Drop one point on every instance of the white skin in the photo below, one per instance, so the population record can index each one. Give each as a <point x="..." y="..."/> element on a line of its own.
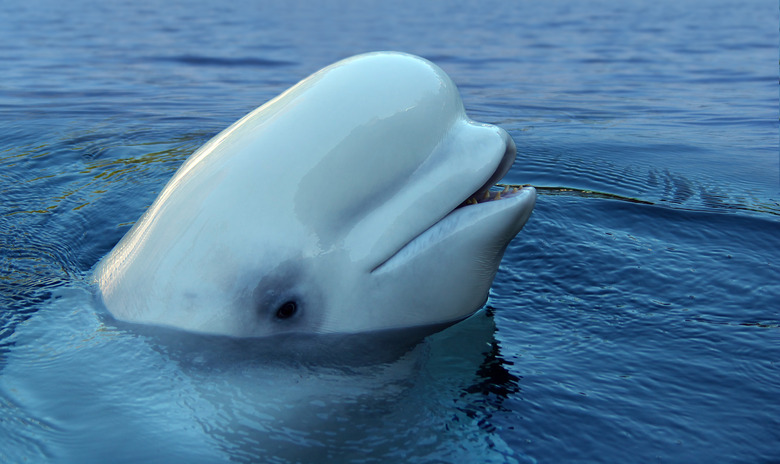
<point x="331" y="209"/>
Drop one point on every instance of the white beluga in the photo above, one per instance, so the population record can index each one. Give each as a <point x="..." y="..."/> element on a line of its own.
<point x="358" y="200"/>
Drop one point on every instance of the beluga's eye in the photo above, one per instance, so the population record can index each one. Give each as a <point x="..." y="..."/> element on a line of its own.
<point x="286" y="310"/>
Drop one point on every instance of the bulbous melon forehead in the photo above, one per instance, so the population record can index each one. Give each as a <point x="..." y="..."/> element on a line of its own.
<point x="336" y="144"/>
<point x="380" y="85"/>
<point x="380" y="104"/>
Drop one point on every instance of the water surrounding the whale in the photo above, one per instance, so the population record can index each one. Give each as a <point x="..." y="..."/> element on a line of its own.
<point x="636" y="318"/>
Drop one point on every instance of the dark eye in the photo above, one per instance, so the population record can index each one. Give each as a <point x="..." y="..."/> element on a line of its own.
<point x="286" y="310"/>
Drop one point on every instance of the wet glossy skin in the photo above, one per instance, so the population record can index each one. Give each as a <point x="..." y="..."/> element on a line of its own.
<point x="338" y="197"/>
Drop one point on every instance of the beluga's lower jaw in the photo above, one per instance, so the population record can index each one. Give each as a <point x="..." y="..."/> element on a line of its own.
<point x="261" y="231"/>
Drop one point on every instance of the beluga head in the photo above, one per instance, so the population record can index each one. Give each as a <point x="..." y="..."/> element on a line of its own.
<point x="356" y="201"/>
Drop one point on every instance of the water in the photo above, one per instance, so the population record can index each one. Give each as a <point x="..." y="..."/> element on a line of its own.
<point x="635" y="318"/>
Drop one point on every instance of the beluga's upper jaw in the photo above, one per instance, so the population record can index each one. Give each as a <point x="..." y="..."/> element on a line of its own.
<point x="339" y="198"/>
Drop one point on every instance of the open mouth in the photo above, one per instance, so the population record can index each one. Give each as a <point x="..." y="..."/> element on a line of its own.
<point x="501" y="191"/>
<point x="515" y="212"/>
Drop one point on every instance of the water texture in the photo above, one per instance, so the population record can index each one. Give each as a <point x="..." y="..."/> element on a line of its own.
<point x="634" y="319"/>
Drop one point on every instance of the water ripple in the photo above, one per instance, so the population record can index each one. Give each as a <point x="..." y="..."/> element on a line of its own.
<point x="202" y="60"/>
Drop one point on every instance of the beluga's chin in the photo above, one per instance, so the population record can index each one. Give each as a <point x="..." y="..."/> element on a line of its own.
<point x="358" y="200"/>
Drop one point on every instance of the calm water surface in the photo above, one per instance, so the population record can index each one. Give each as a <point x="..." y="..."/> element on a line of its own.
<point x="635" y="318"/>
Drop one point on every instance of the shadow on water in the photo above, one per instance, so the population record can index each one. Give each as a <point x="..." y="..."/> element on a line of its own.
<point x="157" y="395"/>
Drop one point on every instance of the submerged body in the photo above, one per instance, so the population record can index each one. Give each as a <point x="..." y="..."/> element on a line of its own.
<point x="352" y="202"/>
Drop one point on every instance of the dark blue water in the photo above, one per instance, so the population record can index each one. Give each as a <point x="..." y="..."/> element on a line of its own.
<point x="636" y="318"/>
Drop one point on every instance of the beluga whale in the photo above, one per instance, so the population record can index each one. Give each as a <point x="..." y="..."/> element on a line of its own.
<point x="359" y="200"/>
